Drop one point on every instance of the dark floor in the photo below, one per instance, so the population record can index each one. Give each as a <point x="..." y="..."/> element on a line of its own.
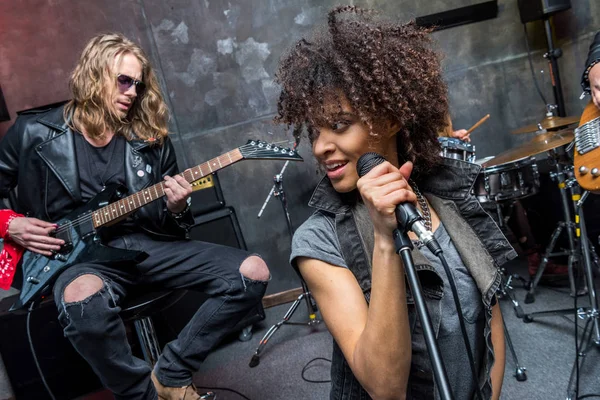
<point x="545" y="347"/>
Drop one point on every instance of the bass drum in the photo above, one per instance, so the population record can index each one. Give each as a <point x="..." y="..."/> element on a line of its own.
<point x="512" y="180"/>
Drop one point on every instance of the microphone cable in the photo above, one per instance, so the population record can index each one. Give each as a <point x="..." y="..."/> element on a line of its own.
<point x="435" y="248"/>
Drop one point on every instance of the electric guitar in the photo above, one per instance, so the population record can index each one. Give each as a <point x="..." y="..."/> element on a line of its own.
<point x="587" y="152"/>
<point x="79" y="229"/>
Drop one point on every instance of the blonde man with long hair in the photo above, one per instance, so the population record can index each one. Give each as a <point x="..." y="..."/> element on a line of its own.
<point x="114" y="132"/>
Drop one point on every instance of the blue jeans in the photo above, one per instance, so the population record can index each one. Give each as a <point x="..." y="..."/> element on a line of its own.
<point x="97" y="332"/>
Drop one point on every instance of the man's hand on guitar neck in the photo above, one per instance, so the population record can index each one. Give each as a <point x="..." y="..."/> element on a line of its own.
<point x="594" y="78"/>
<point x="34" y="234"/>
<point x="177" y="190"/>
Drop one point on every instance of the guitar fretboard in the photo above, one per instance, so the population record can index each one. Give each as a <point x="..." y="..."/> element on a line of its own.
<point x="122" y="207"/>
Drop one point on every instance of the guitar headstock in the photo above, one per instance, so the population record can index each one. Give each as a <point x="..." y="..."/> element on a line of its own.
<point x="260" y="150"/>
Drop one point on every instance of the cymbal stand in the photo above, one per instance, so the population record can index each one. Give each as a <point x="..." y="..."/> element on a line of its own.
<point x="563" y="176"/>
<point x="278" y="191"/>
<point x="591" y="332"/>
<point x="552" y="56"/>
<point x="589" y="257"/>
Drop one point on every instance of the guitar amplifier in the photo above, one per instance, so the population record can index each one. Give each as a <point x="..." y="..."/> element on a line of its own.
<point x="533" y="10"/>
<point x="220" y="227"/>
<point x="207" y="196"/>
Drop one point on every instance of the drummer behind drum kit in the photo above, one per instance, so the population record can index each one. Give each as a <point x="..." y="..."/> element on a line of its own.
<point x="513" y="175"/>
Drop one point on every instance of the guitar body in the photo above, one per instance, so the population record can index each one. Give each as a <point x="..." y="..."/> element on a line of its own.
<point x="587" y="155"/>
<point x="81" y="245"/>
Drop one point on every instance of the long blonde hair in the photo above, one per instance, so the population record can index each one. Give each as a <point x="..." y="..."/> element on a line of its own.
<point x="90" y="107"/>
<point x="448" y="130"/>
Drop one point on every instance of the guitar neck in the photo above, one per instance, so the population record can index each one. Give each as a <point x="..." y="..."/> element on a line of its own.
<point x="107" y="214"/>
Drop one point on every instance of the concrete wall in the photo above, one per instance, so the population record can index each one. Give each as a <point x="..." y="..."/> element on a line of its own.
<point x="217" y="60"/>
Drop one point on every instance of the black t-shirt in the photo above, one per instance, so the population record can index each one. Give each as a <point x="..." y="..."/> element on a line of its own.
<point x="99" y="166"/>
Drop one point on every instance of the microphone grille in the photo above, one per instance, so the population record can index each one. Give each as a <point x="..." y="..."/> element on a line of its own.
<point x="367" y="161"/>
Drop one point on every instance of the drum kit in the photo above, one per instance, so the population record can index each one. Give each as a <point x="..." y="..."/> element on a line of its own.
<point x="513" y="175"/>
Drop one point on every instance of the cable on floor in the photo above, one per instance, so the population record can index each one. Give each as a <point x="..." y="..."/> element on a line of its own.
<point x="225" y="389"/>
<point x="308" y="365"/>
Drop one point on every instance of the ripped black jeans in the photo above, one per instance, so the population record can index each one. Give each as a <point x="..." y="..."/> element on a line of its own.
<point x="96" y="330"/>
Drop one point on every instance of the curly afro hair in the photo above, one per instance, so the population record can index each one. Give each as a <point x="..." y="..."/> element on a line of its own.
<point x="387" y="71"/>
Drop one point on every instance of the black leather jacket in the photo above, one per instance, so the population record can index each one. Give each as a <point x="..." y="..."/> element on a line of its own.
<point x="593" y="59"/>
<point x="37" y="155"/>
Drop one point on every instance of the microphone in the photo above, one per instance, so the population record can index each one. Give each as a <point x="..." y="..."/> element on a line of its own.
<point x="409" y="219"/>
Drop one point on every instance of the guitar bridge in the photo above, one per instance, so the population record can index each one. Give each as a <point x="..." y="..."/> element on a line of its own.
<point x="587" y="136"/>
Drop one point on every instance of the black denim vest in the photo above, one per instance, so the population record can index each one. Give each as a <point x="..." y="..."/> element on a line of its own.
<point x="477" y="238"/>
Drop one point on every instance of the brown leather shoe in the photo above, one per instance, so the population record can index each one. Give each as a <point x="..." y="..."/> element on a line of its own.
<point x="179" y="393"/>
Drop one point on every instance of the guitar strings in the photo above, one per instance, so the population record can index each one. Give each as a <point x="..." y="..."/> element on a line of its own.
<point x="257" y="151"/>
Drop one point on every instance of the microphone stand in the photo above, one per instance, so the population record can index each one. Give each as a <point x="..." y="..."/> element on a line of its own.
<point x="277" y="191"/>
<point x="403" y="248"/>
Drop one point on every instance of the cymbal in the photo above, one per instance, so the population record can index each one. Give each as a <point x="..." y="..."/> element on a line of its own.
<point x="548" y="123"/>
<point x="539" y="144"/>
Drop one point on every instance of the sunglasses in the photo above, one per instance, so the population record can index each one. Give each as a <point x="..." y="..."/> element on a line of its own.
<point x="124" y="82"/>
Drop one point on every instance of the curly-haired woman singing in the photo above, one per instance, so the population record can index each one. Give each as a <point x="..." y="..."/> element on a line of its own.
<point x="362" y="84"/>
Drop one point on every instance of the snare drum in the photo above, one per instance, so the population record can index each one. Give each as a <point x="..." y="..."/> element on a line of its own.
<point x="512" y="180"/>
<point x="457" y="149"/>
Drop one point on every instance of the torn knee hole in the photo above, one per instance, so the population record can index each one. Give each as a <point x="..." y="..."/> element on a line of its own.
<point x="82" y="287"/>
<point x="255" y="268"/>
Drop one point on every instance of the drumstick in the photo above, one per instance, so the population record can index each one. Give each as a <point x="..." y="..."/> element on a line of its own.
<point x="481" y="121"/>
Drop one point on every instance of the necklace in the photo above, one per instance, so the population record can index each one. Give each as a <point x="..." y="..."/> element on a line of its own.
<point x="424" y="209"/>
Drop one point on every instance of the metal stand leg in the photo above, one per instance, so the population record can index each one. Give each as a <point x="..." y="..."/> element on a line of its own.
<point x="520" y="373"/>
<point x="564" y="184"/>
<point x="505" y="292"/>
<point x="148" y="341"/>
<point x="312" y="320"/>
<point x="586" y="340"/>
<point x="279" y="192"/>
<point x="530" y="297"/>
<point x="591" y="313"/>
<point x="591" y="333"/>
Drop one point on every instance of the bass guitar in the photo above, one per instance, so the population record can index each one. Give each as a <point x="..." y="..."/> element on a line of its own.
<point x="587" y="149"/>
<point x="80" y="228"/>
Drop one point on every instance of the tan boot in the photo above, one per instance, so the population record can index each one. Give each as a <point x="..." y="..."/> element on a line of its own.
<point x="178" y="393"/>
